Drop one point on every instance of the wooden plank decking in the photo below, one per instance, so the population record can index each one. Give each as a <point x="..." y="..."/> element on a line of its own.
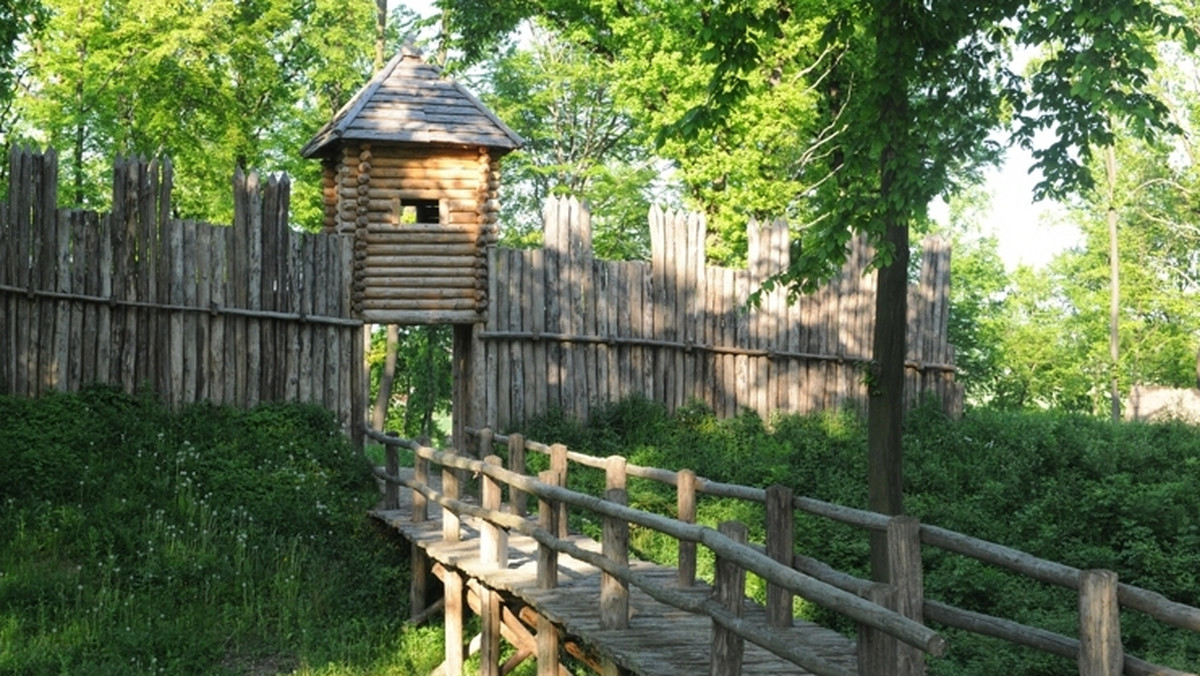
<point x="660" y="639"/>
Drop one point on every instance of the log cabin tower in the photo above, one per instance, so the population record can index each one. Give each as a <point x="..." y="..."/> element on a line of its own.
<point x="411" y="169"/>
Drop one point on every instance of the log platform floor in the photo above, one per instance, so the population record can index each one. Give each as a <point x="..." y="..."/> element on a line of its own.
<point x="660" y="640"/>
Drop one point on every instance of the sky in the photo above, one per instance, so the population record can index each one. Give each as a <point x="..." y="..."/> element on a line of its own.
<point x="1028" y="233"/>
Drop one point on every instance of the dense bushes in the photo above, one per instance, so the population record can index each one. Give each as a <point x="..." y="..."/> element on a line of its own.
<point x="1069" y="488"/>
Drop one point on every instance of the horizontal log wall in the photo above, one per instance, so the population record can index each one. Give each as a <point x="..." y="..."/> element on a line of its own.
<point x="364" y="192"/>
<point x="567" y="331"/>
<point x="233" y="315"/>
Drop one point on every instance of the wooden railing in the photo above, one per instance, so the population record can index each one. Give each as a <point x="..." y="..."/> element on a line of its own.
<point x="892" y="637"/>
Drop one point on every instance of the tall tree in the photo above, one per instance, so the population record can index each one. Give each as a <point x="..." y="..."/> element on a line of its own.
<point x="19" y="21"/>
<point x="212" y="84"/>
<point x="577" y="142"/>
<point x="919" y="88"/>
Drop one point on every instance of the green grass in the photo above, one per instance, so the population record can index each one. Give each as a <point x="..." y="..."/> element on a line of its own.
<point x="135" y="539"/>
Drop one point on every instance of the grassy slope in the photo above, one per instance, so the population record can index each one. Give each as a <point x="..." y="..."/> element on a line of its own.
<point x="207" y="541"/>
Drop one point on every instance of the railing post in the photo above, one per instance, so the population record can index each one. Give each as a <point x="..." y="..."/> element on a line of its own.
<point x="1100" y="649"/>
<point x="879" y="653"/>
<point x="877" y="649"/>
<point x="558" y="464"/>
<point x="781" y="536"/>
<point x="418" y="585"/>
<point x="391" y="490"/>
<point x="516" y="462"/>
<point x="685" y="493"/>
<point x="905" y="568"/>
<point x="493" y="540"/>
<point x="451" y="532"/>
<point x="614" y="593"/>
<point x="729" y="588"/>
<point x="420" y="505"/>
<point x="484" y="447"/>
<point x="547" y="565"/>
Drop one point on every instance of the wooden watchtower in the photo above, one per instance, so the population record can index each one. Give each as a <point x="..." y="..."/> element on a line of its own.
<point x="411" y="169"/>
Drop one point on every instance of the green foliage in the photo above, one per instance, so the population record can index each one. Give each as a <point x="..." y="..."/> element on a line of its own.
<point x="422" y="389"/>
<point x="213" y="85"/>
<point x="1065" y="487"/>
<point x="138" y="539"/>
<point x="559" y="98"/>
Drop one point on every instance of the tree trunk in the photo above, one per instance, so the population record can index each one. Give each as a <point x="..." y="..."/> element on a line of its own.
<point x="384" y="397"/>
<point x="885" y="412"/>
<point x="1114" y="298"/>
<point x="380" y="33"/>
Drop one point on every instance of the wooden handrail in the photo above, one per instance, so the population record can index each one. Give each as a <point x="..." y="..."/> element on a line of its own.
<point x="850" y="605"/>
<point x="1151" y="603"/>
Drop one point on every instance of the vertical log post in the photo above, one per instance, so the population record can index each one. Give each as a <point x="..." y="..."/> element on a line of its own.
<point x="880" y="654"/>
<point x="391" y="489"/>
<point x="558" y="464"/>
<point x="547" y="578"/>
<point x="1100" y="650"/>
<point x="516" y="462"/>
<point x="418" y="585"/>
<point x="877" y="649"/>
<point x="493" y="540"/>
<point x="486" y="441"/>
<point x="547" y="647"/>
<point x="729" y="587"/>
<point x="685" y="490"/>
<point x="455" y="588"/>
<point x="451" y="532"/>
<point x="547" y="566"/>
<point x="489" y="631"/>
<point x="907" y="577"/>
<point x="420" y="512"/>
<point x="614" y="593"/>
<point x="781" y="537"/>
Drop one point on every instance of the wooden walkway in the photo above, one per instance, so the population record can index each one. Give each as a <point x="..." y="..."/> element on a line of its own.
<point x="660" y="639"/>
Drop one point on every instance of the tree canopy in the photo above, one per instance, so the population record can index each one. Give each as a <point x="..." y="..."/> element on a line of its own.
<point x="213" y="84"/>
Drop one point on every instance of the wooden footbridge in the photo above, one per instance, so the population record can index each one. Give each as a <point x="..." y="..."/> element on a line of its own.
<point x="497" y="540"/>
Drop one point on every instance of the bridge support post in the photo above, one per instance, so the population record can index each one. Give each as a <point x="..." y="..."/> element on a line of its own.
<point x="547" y="647"/>
<point x="729" y="588"/>
<point x="1100" y="650"/>
<point x="489" y="647"/>
<point x="455" y="603"/>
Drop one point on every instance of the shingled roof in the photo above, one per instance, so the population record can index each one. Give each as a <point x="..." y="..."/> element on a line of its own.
<point x="410" y="102"/>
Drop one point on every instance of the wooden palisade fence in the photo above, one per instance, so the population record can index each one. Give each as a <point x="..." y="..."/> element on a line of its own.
<point x="232" y="315"/>
<point x="565" y="330"/>
<point x="892" y="639"/>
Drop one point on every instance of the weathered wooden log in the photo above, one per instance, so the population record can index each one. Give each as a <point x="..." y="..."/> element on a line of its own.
<point x="1100" y="649"/>
<point x="780" y="545"/>
<point x="729" y="590"/>
<point x="685" y="486"/>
